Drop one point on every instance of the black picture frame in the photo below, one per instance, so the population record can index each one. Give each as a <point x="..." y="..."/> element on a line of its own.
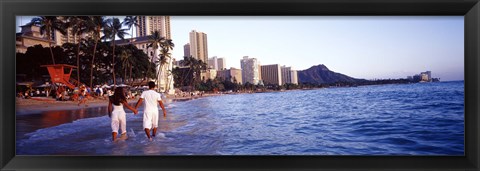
<point x="470" y="9"/>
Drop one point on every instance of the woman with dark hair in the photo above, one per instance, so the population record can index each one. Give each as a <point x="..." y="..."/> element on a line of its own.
<point x="118" y="115"/>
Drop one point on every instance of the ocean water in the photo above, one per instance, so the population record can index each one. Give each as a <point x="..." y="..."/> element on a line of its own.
<point x="402" y="119"/>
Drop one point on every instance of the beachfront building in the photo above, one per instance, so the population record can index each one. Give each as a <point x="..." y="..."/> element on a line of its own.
<point x="250" y="70"/>
<point x="149" y="24"/>
<point x="286" y="77"/>
<point x="198" y="45"/>
<point x="260" y="73"/>
<point x="234" y="74"/>
<point x="208" y="74"/>
<point x="212" y="63"/>
<point x="294" y="76"/>
<point x="289" y="76"/>
<point x="69" y="37"/>
<point x="271" y="74"/>
<point x="216" y="63"/>
<point x="426" y="76"/>
<point x="422" y="77"/>
<point x="186" y="50"/>
<point x="30" y="36"/>
<point x="221" y="63"/>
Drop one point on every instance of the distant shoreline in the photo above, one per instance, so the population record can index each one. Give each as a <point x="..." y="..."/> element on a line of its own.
<point x="43" y="104"/>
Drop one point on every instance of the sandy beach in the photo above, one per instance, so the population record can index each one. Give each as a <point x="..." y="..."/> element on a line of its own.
<point x="42" y="104"/>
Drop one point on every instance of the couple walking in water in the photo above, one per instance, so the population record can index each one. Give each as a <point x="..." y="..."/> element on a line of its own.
<point x="150" y="113"/>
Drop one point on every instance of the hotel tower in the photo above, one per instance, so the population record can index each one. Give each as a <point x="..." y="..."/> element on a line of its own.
<point x="148" y="24"/>
<point x="198" y="46"/>
<point x="250" y="70"/>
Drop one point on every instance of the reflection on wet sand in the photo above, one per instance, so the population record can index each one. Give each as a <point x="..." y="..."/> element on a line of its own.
<point x="46" y="119"/>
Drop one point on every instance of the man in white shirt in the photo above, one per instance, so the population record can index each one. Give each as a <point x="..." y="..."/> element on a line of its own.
<point x="150" y="113"/>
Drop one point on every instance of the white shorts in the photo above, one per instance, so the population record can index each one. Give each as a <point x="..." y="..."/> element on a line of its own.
<point x="119" y="120"/>
<point x="150" y="119"/>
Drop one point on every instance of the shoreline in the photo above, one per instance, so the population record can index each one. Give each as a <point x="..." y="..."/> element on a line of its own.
<point x="44" y="104"/>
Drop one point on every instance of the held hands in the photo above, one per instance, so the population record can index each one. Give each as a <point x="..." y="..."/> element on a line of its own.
<point x="135" y="111"/>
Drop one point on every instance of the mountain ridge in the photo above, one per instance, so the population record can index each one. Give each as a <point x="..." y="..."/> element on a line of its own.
<point x="320" y="74"/>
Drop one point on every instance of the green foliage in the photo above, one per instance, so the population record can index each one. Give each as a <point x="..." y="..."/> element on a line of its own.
<point x="29" y="63"/>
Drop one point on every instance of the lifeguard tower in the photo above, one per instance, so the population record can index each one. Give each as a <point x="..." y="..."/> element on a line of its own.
<point x="60" y="73"/>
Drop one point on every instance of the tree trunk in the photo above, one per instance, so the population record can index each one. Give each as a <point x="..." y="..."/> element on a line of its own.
<point x="78" y="63"/>
<point x="125" y="76"/>
<point x="132" y="80"/>
<point x="93" y="62"/>
<point x="51" y="52"/>
<point x="169" y="80"/>
<point x="113" y="63"/>
<point x="148" y="67"/>
<point x="50" y="46"/>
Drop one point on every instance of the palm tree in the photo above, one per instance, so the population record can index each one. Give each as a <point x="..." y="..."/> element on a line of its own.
<point x="79" y="27"/>
<point x="155" y="41"/>
<point x="127" y="62"/>
<point x="131" y="21"/>
<point x="48" y="25"/>
<point x="166" y="45"/>
<point x="114" y="29"/>
<point x="195" y="66"/>
<point x="96" y="24"/>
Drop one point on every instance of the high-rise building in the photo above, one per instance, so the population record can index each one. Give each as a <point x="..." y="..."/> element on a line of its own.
<point x="149" y="24"/>
<point x="250" y="70"/>
<point x="213" y="63"/>
<point x="216" y="63"/>
<point x="289" y="76"/>
<point x="260" y="72"/>
<point x="271" y="74"/>
<point x="198" y="45"/>
<point x="186" y="50"/>
<point x="294" y="76"/>
<point x="286" y="77"/>
<point x="221" y="63"/>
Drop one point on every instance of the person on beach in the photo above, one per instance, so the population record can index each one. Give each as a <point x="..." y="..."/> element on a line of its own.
<point x="117" y="113"/>
<point x="82" y="97"/>
<point x="150" y="113"/>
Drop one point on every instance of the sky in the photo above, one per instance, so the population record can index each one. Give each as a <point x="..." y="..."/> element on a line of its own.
<point x="368" y="47"/>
